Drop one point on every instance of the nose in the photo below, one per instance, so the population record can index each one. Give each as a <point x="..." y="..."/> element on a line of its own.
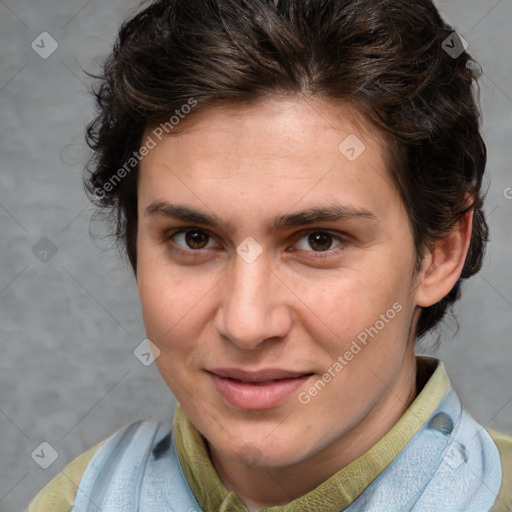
<point x="253" y="307"/>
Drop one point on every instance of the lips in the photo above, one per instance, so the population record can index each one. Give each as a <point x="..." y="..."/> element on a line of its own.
<point x="258" y="390"/>
<point x="257" y="377"/>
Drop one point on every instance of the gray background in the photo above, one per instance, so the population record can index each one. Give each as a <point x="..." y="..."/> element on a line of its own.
<point x="69" y="326"/>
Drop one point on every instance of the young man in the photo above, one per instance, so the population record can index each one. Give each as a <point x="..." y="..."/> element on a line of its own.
<point x="298" y="188"/>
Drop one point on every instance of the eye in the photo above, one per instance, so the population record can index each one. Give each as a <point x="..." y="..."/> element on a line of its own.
<point x="188" y="241"/>
<point x="319" y="241"/>
<point x="191" y="239"/>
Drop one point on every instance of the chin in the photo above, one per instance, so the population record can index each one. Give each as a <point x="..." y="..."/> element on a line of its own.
<point x="258" y="451"/>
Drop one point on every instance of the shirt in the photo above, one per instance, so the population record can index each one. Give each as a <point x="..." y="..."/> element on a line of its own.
<point x="346" y="490"/>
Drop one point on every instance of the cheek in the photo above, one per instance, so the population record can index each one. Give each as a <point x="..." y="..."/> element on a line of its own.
<point x="176" y="309"/>
<point x="160" y="311"/>
<point x="367" y="320"/>
<point x="168" y="326"/>
<point x="346" y="302"/>
<point x="164" y="295"/>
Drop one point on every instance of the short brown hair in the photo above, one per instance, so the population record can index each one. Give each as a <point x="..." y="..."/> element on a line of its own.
<point x="389" y="58"/>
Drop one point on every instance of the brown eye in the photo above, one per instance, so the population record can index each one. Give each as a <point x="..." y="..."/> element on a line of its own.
<point x="194" y="239"/>
<point x="320" y="241"/>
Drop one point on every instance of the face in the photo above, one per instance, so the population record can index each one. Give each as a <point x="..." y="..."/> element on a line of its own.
<point x="275" y="276"/>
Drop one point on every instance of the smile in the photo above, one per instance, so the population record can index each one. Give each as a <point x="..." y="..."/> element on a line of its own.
<point x="255" y="391"/>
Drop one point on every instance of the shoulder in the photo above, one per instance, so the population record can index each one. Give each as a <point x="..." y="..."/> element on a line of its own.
<point x="59" y="494"/>
<point x="124" y="455"/>
<point x="504" y="445"/>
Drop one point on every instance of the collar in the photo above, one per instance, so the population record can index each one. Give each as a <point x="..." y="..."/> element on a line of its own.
<point x="338" y="491"/>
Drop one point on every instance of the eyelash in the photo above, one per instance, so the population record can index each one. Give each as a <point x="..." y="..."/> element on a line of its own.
<point x="299" y="236"/>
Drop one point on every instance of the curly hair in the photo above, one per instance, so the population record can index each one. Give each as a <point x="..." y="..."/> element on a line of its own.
<point x="389" y="58"/>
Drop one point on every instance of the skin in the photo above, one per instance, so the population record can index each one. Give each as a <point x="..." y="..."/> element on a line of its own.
<point x="295" y="307"/>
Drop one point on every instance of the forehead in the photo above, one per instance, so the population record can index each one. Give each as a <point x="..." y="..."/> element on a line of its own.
<point x="281" y="149"/>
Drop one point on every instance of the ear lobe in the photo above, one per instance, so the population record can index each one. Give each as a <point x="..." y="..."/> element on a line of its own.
<point x="443" y="264"/>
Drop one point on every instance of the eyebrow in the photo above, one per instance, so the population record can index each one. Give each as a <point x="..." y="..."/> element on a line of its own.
<point x="312" y="215"/>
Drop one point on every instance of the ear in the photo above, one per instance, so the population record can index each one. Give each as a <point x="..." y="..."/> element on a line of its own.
<point x="443" y="264"/>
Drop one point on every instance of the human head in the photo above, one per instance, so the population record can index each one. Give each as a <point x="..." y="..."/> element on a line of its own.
<point x="234" y="105"/>
<point x="385" y="58"/>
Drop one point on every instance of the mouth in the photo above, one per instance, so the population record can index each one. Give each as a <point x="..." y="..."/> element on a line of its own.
<point x="256" y="391"/>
